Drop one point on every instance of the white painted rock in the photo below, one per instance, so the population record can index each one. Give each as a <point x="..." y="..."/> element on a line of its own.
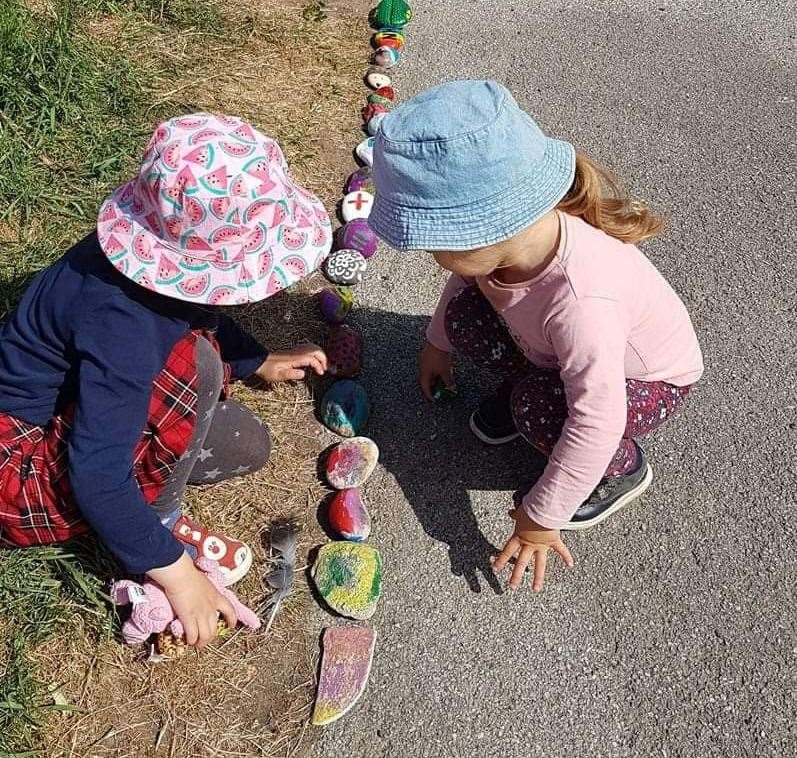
<point x="356" y="205"/>
<point x="376" y="79"/>
<point x="374" y="122"/>
<point x="345" y="267"/>
<point x="365" y="151"/>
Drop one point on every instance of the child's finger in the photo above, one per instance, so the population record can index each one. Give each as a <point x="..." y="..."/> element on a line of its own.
<point x="562" y="551"/>
<point x="540" y="559"/>
<point x="226" y="610"/>
<point x="521" y="564"/>
<point x="293" y="375"/>
<point x="506" y="554"/>
<point x="191" y="631"/>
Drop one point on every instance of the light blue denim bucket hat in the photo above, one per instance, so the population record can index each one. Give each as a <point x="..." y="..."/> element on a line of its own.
<point x="461" y="166"/>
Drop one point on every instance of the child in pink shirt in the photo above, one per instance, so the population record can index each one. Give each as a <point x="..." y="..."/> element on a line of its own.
<point x="547" y="291"/>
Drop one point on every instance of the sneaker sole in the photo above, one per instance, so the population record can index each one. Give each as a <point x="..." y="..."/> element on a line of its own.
<point x="575" y="526"/>
<point x="239" y="572"/>
<point x="479" y="434"/>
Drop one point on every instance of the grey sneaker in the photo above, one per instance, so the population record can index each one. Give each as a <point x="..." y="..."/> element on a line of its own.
<point x="612" y="494"/>
<point x="492" y="421"/>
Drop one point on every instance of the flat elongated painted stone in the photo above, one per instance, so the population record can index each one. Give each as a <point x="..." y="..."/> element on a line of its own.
<point x="361" y="179"/>
<point x="344" y="351"/>
<point x="351" y="462"/>
<point x="365" y="151"/>
<point x="356" y="205"/>
<point x="345" y="666"/>
<point x="376" y="78"/>
<point x="348" y="516"/>
<point x="348" y="575"/>
<point x="386" y="57"/>
<point x="358" y="235"/>
<point x="335" y="303"/>
<point x="372" y="124"/>
<point x="345" y="408"/>
<point x="345" y="267"/>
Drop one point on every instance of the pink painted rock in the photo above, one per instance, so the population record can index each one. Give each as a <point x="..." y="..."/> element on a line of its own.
<point x="358" y="235"/>
<point x="361" y="179"/>
<point x="351" y="462"/>
<point x="348" y="516"/>
<point x="344" y="351"/>
<point x="345" y="666"/>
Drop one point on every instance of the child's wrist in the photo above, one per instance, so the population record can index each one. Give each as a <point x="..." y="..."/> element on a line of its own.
<point x="175" y="574"/>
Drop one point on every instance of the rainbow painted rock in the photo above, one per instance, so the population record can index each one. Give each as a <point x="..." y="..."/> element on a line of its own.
<point x="358" y="235"/>
<point x="345" y="267"/>
<point x="376" y="78"/>
<point x="344" y="351"/>
<point x="335" y="304"/>
<point x="376" y="99"/>
<point x="351" y="462"/>
<point x="356" y="205"/>
<point x="348" y="516"/>
<point x="395" y="40"/>
<point x="373" y="123"/>
<point x="348" y="576"/>
<point x="345" y="408"/>
<point x="365" y="151"/>
<point x="361" y="179"/>
<point x="345" y="667"/>
<point x="373" y="109"/>
<point x="391" y="15"/>
<point x="387" y="92"/>
<point x="386" y="57"/>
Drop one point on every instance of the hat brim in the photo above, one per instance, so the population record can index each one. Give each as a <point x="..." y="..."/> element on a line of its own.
<point x="487" y="221"/>
<point x="268" y="262"/>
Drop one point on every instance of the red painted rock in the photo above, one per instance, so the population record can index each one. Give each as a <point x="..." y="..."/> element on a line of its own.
<point x="351" y="462"/>
<point x="344" y="351"/>
<point x="387" y="92"/>
<point x="371" y="110"/>
<point x="348" y="516"/>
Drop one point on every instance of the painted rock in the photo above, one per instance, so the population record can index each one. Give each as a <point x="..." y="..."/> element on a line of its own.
<point x="373" y="109"/>
<point x="345" y="667"/>
<point x="358" y="235"/>
<point x="386" y="57"/>
<point x="335" y="303"/>
<point x="361" y="179"/>
<point x="344" y="351"/>
<point x="348" y="516"/>
<point x="391" y="15"/>
<point x="348" y="575"/>
<point x="344" y="408"/>
<point x="376" y="99"/>
<point x="376" y="78"/>
<point x="351" y="462"/>
<point x="345" y="267"/>
<point x="387" y="92"/>
<point x="356" y="205"/>
<point x="373" y="123"/>
<point x="395" y="40"/>
<point x="365" y="151"/>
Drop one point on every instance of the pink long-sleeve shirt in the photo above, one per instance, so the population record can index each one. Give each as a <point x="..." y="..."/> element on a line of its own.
<point x="599" y="313"/>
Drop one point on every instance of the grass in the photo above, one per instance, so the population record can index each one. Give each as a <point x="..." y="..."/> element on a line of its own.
<point x="82" y="83"/>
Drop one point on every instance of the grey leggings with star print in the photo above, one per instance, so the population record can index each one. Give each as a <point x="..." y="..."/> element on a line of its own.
<point x="229" y="440"/>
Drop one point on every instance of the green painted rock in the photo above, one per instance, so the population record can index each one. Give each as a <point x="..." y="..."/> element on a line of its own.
<point x="391" y="15"/>
<point x="348" y="575"/>
<point x="345" y="408"/>
<point x="376" y="99"/>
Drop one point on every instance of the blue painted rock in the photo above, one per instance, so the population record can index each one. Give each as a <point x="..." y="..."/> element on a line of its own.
<point x="365" y="151"/>
<point x="386" y="57"/>
<point x="372" y="125"/>
<point x="345" y="267"/>
<point x="345" y="408"/>
<point x="361" y="179"/>
<point x="348" y="575"/>
<point x="348" y="516"/>
<point x="356" y="205"/>
<point x="335" y="303"/>
<point x="351" y="462"/>
<point x="376" y="78"/>
<point x="344" y="351"/>
<point x="358" y="235"/>
<point x="345" y="667"/>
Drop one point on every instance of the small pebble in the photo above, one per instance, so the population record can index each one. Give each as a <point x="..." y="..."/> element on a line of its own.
<point x="351" y="462"/>
<point x="335" y="304"/>
<point x="345" y="267"/>
<point x="358" y="235"/>
<point x="372" y="124"/>
<point x="344" y="350"/>
<point x="356" y="205"/>
<point x="376" y="78"/>
<point x="365" y="151"/>
<point x="386" y="57"/>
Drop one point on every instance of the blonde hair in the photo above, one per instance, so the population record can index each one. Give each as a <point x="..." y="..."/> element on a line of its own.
<point x="596" y="197"/>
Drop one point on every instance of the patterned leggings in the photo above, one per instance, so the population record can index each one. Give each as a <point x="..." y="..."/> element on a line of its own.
<point x="539" y="406"/>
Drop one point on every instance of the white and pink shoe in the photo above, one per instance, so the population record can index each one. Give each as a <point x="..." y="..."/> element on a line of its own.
<point x="234" y="557"/>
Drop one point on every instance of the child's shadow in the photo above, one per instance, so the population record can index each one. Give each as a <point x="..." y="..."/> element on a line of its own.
<point x="429" y="449"/>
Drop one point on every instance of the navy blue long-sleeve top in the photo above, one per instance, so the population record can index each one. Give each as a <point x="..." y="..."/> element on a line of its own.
<point x="84" y="334"/>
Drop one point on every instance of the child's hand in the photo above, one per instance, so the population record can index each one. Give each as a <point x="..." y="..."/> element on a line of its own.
<point x="435" y="363"/>
<point x="195" y="601"/>
<point x="530" y="540"/>
<point x="289" y="365"/>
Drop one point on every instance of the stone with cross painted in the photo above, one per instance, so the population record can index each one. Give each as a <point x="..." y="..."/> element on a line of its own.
<point x="345" y="267"/>
<point x="365" y="151"/>
<point x="356" y="205"/>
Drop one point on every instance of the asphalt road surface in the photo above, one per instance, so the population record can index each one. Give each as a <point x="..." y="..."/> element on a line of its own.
<point x="674" y="634"/>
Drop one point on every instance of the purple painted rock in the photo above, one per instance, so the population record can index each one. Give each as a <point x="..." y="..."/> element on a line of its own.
<point x="348" y="516"/>
<point x="335" y="304"/>
<point x="361" y="179"/>
<point x="358" y="235"/>
<point x="345" y="666"/>
<point x="351" y="462"/>
<point x="344" y="351"/>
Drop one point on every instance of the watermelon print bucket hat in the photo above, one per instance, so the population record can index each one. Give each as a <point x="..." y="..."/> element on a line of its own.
<point x="213" y="216"/>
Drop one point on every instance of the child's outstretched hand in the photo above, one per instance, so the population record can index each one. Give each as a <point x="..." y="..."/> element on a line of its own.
<point x="290" y="365"/>
<point x="435" y="363"/>
<point x="530" y="541"/>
